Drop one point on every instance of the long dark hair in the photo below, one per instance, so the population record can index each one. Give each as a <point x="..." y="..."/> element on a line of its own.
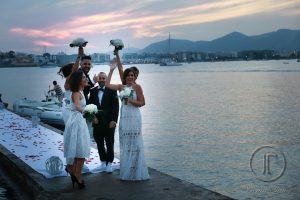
<point x="75" y="80"/>
<point x="65" y="70"/>
<point x="135" y="71"/>
<point x="125" y="74"/>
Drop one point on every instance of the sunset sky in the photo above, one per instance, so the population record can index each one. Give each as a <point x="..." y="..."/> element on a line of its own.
<point x="29" y="25"/>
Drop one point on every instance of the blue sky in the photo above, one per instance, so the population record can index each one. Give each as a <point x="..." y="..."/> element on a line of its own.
<point x="29" y="25"/>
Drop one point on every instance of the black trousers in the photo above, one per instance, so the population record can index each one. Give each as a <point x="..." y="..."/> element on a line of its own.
<point x="104" y="134"/>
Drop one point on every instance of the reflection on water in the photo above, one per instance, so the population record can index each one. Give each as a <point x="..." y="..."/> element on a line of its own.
<point x="203" y="121"/>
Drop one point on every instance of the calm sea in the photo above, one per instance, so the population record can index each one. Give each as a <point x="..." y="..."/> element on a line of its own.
<point x="208" y="123"/>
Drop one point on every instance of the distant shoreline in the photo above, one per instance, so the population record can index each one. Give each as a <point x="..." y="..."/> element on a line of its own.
<point x="14" y="66"/>
<point x="228" y="60"/>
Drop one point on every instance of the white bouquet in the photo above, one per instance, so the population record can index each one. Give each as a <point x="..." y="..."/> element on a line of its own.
<point x="90" y="111"/>
<point x="125" y="94"/>
<point x="78" y="42"/>
<point x="117" y="43"/>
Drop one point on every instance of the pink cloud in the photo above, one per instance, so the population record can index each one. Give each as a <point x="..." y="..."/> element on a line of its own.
<point x="146" y="24"/>
<point x="44" y="43"/>
<point x="40" y="33"/>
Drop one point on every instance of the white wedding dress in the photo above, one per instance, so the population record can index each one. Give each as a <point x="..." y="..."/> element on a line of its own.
<point x="66" y="112"/>
<point x="76" y="134"/>
<point x="66" y="102"/>
<point x="132" y="161"/>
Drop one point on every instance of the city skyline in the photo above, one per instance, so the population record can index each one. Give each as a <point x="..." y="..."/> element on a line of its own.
<point x="54" y="24"/>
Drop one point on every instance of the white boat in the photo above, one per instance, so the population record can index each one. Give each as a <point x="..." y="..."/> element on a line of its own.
<point x="169" y="61"/>
<point x="48" y="110"/>
<point x="2" y="104"/>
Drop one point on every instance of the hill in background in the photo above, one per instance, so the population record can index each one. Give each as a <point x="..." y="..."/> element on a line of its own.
<point x="283" y="39"/>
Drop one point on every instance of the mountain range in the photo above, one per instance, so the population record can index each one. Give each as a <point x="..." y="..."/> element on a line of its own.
<point x="283" y="39"/>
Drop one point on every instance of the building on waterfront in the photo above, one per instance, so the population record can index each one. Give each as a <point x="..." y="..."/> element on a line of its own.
<point x="100" y="58"/>
<point x="62" y="58"/>
<point x="12" y="58"/>
<point x="190" y="56"/>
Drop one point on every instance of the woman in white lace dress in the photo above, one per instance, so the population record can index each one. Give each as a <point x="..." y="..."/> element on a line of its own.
<point x="132" y="161"/>
<point x="76" y="134"/>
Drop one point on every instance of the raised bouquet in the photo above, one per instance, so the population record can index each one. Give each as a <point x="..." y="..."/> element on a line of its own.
<point x="117" y="43"/>
<point x="125" y="94"/>
<point x="78" y="42"/>
<point x="89" y="112"/>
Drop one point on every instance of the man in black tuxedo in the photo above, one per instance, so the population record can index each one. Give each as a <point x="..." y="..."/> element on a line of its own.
<point x="106" y="121"/>
<point x="86" y="64"/>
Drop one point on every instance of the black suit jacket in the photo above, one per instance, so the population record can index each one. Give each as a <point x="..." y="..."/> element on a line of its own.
<point x="87" y="89"/>
<point x="109" y="105"/>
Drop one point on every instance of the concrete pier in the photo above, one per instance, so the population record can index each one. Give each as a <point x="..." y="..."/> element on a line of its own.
<point x="101" y="186"/>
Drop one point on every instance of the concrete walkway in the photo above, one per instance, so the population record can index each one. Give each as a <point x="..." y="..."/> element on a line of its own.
<point x="101" y="186"/>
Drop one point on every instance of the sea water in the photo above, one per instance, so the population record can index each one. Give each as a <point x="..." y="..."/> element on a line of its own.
<point x="208" y="122"/>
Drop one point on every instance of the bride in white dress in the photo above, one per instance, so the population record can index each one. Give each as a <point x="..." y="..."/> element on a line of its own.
<point x="132" y="161"/>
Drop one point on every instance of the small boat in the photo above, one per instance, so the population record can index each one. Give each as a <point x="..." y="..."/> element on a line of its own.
<point x="170" y="63"/>
<point x="48" y="110"/>
<point x="2" y="104"/>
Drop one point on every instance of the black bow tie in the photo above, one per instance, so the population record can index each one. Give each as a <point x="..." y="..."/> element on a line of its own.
<point x="101" y="89"/>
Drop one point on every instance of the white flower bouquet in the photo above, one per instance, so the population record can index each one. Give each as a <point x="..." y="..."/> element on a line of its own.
<point x="118" y="44"/>
<point x="90" y="111"/>
<point x="125" y="94"/>
<point x="78" y="42"/>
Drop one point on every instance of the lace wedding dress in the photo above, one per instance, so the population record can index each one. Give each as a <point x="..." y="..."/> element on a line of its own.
<point x="66" y="109"/>
<point x="76" y="134"/>
<point x="132" y="161"/>
<point x="66" y="112"/>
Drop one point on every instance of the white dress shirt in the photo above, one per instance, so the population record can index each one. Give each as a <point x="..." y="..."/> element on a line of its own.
<point x="100" y="94"/>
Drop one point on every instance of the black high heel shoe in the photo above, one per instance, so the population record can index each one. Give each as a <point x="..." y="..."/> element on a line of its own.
<point x="80" y="185"/>
<point x="73" y="179"/>
<point x="68" y="172"/>
<point x="71" y="175"/>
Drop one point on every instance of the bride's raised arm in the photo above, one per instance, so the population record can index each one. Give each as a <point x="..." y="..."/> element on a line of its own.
<point x="108" y="79"/>
<point x="77" y="62"/>
<point x="120" y="66"/>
